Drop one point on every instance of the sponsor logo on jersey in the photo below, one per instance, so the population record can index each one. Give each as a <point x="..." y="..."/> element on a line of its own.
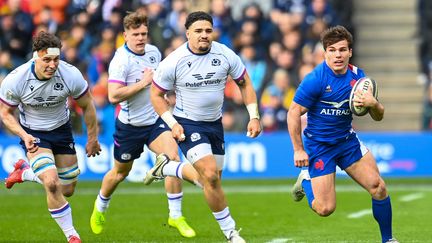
<point x="335" y="104"/>
<point x="335" y="112"/>
<point x="328" y="89"/>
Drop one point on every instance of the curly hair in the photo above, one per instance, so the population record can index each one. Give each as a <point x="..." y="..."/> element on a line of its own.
<point x="134" y="20"/>
<point x="44" y="40"/>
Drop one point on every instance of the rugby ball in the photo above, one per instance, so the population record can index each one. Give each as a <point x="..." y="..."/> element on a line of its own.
<point x="363" y="85"/>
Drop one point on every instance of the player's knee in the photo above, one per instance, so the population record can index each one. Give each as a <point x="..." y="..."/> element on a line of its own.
<point x="325" y="210"/>
<point x="378" y="189"/>
<point x="120" y="175"/>
<point x="52" y="185"/>
<point x="211" y="178"/>
<point x="68" y="190"/>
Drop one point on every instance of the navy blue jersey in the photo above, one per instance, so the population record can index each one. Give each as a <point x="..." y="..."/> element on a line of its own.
<point x="326" y="95"/>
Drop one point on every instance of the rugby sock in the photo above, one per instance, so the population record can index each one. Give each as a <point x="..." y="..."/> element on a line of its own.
<point x="175" y="204"/>
<point x="226" y="222"/>
<point x="102" y="203"/>
<point x="63" y="217"/>
<point x="382" y="213"/>
<point x="29" y="175"/>
<point x="307" y="187"/>
<point x="173" y="168"/>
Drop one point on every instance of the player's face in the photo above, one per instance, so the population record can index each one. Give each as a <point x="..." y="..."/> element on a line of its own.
<point x="200" y="36"/>
<point x="46" y="65"/>
<point x="136" y="38"/>
<point x="337" y="56"/>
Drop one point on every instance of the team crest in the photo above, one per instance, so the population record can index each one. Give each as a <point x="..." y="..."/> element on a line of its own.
<point x="216" y="62"/>
<point x="58" y="86"/>
<point x="195" y="137"/>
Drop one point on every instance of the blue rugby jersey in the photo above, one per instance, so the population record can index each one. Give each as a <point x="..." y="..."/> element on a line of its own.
<point x="326" y="95"/>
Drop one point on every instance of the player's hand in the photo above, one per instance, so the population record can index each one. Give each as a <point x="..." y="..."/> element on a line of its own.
<point x="301" y="158"/>
<point x="364" y="99"/>
<point x="31" y="143"/>
<point x="93" y="148"/>
<point x="253" y="128"/>
<point x="178" y="132"/>
<point x="147" y="77"/>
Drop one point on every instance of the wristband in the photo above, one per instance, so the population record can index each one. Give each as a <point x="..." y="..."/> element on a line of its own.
<point x="253" y="111"/>
<point x="168" y="118"/>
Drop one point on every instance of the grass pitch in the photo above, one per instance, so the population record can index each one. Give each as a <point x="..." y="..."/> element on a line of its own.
<point x="262" y="208"/>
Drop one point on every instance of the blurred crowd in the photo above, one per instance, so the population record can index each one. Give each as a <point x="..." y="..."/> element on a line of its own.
<point x="425" y="54"/>
<point x="279" y="44"/>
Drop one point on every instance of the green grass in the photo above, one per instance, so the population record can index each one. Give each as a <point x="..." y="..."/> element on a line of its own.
<point x="263" y="208"/>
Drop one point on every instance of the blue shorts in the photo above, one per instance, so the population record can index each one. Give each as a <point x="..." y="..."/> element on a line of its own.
<point x="323" y="157"/>
<point x="59" y="140"/>
<point x="200" y="132"/>
<point x="129" y="140"/>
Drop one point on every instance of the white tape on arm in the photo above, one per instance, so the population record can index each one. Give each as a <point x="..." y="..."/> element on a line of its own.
<point x="253" y="111"/>
<point x="168" y="118"/>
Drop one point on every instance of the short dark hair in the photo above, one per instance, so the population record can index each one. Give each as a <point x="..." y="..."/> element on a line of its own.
<point x="44" y="40"/>
<point x="335" y="34"/>
<point x="134" y="20"/>
<point x="196" y="16"/>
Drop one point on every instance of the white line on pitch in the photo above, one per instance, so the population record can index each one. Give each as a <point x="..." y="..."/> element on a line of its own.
<point x="411" y="197"/>
<point x="280" y="240"/>
<point x="359" y="214"/>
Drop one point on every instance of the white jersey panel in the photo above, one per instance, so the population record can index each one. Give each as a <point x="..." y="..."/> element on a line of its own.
<point x="43" y="104"/>
<point x="199" y="80"/>
<point x="127" y="68"/>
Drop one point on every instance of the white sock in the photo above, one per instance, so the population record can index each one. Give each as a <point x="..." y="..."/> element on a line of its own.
<point x="29" y="175"/>
<point x="226" y="222"/>
<point x="102" y="203"/>
<point x="306" y="172"/>
<point x="175" y="204"/>
<point x="174" y="168"/>
<point x="63" y="217"/>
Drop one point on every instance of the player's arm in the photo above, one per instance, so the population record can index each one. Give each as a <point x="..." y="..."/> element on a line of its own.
<point x="119" y="92"/>
<point x="90" y="119"/>
<point x="8" y="118"/>
<point x="250" y="100"/>
<point x="161" y="106"/>
<point x="295" y="112"/>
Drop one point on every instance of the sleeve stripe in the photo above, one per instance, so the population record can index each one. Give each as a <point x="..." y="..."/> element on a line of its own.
<point x="116" y="81"/>
<point x="83" y="93"/>
<point x="5" y="102"/>
<point x="159" y="87"/>
<point x="241" y="76"/>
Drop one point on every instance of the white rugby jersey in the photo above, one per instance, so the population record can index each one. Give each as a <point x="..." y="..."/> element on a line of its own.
<point x="43" y="104"/>
<point x="199" y="80"/>
<point x="127" y="68"/>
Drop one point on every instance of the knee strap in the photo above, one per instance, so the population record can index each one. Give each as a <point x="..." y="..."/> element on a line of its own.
<point x="42" y="162"/>
<point x="69" y="174"/>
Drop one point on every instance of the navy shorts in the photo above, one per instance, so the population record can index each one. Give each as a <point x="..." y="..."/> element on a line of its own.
<point x="199" y="132"/>
<point x="129" y="140"/>
<point x="323" y="157"/>
<point x="59" y="140"/>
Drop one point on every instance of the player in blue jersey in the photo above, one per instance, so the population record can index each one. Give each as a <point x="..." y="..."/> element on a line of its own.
<point x="198" y="72"/>
<point x="130" y="76"/>
<point x="40" y="89"/>
<point x="329" y="139"/>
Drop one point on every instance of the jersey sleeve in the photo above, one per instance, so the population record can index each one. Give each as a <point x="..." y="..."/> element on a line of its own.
<point x="118" y="69"/>
<point x="164" y="75"/>
<point x="77" y="84"/>
<point x="308" y="91"/>
<point x="9" y="91"/>
<point x="237" y="69"/>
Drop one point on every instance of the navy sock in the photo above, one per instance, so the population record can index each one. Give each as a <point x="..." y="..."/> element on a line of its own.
<point x="307" y="187"/>
<point x="382" y="213"/>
